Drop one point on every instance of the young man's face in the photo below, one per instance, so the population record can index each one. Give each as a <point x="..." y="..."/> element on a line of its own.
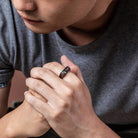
<point x="45" y="16"/>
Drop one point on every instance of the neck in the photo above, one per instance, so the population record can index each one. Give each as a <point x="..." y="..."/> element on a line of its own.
<point x="92" y="26"/>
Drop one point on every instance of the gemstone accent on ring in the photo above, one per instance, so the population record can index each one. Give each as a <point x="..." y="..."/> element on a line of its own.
<point x="64" y="72"/>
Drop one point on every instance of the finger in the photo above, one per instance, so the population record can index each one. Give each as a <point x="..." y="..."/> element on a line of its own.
<point x="55" y="67"/>
<point x="38" y="105"/>
<point x="44" y="90"/>
<point x="44" y="109"/>
<point x="58" y="68"/>
<point x="48" y="76"/>
<point x="37" y="95"/>
<point x="74" y="68"/>
<point x="60" y="86"/>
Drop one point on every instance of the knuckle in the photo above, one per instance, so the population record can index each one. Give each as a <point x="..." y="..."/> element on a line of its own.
<point x="41" y="89"/>
<point x="28" y="81"/>
<point x="43" y="73"/>
<point x="29" y="98"/>
<point x="35" y="71"/>
<point x="78" y="84"/>
<point x="37" y="84"/>
<point x="70" y="95"/>
<point x="55" y="116"/>
<point x="75" y="68"/>
<point x="46" y="71"/>
<point x="54" y="63"/>
<point x="63" y="105"/>
<point x="51" y="65"/>
<point x="59" y="111"/>
<point x="37" y="104"/>
<point x="45" y="65"/>
<point x="40" y="116"/>
<point x="69" y="92"/>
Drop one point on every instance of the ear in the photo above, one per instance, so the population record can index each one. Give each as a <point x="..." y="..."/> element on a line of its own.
<point x="74" y="68"/>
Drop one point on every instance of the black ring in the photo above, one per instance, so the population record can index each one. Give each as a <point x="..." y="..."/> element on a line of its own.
<point x="64" y="72"/>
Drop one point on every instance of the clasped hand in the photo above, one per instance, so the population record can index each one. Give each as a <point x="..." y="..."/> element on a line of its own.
<point x="67" y="106"/>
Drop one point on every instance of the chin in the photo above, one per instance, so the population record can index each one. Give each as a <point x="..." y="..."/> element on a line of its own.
<point x="41" y="29"/>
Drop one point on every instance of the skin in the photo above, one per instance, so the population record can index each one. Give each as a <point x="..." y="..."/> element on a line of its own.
<point x="68" y="109"/>
<point x="75" y="20"/>
<point x="67" y="11"/>
<point x="24" y="121"/>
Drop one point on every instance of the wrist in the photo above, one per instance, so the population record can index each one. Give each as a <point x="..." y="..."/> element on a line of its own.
<point x="99" y="129"/>
<point x="12" y="130"/>
<point x="96" y="129"/>
<point x="12" y="133"/>
<point x="87" y="131"/>
<point x="10" y="127"/>
<point x="3" y="128"/>
<point x="6" y="131"/>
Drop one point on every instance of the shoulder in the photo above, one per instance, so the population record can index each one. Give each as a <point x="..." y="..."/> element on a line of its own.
<point x="6" y="28"/>
<point x="126" y="22"/>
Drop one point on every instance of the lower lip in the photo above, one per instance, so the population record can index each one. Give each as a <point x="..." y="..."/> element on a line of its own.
<point x="31" y="21"/>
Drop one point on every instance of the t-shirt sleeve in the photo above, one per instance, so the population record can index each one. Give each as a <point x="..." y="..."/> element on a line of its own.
<point x="6" y="54"/>
<point x="6" y="72"/>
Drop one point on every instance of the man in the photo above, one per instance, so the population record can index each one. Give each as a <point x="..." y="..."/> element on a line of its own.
<point x="99" y="36"/>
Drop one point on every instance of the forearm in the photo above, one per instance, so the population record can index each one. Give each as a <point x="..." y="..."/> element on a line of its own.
<point x="4" y="94"/>
<point x="3" y="127"/>
<point x="3" y="110"/>
<point x="7" y="127"/>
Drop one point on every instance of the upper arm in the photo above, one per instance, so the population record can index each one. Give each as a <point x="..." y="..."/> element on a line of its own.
<point x="4" y="94"/>
<point x="6" y="54"/>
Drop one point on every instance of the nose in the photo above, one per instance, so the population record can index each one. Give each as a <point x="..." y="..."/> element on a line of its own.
<point x="24" y="5"/>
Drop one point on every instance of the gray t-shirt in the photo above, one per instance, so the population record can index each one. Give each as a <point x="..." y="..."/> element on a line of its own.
<point x="109" y="64"/>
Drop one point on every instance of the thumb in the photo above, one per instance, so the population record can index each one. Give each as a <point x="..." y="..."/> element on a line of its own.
<point x="74" y="68"/>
